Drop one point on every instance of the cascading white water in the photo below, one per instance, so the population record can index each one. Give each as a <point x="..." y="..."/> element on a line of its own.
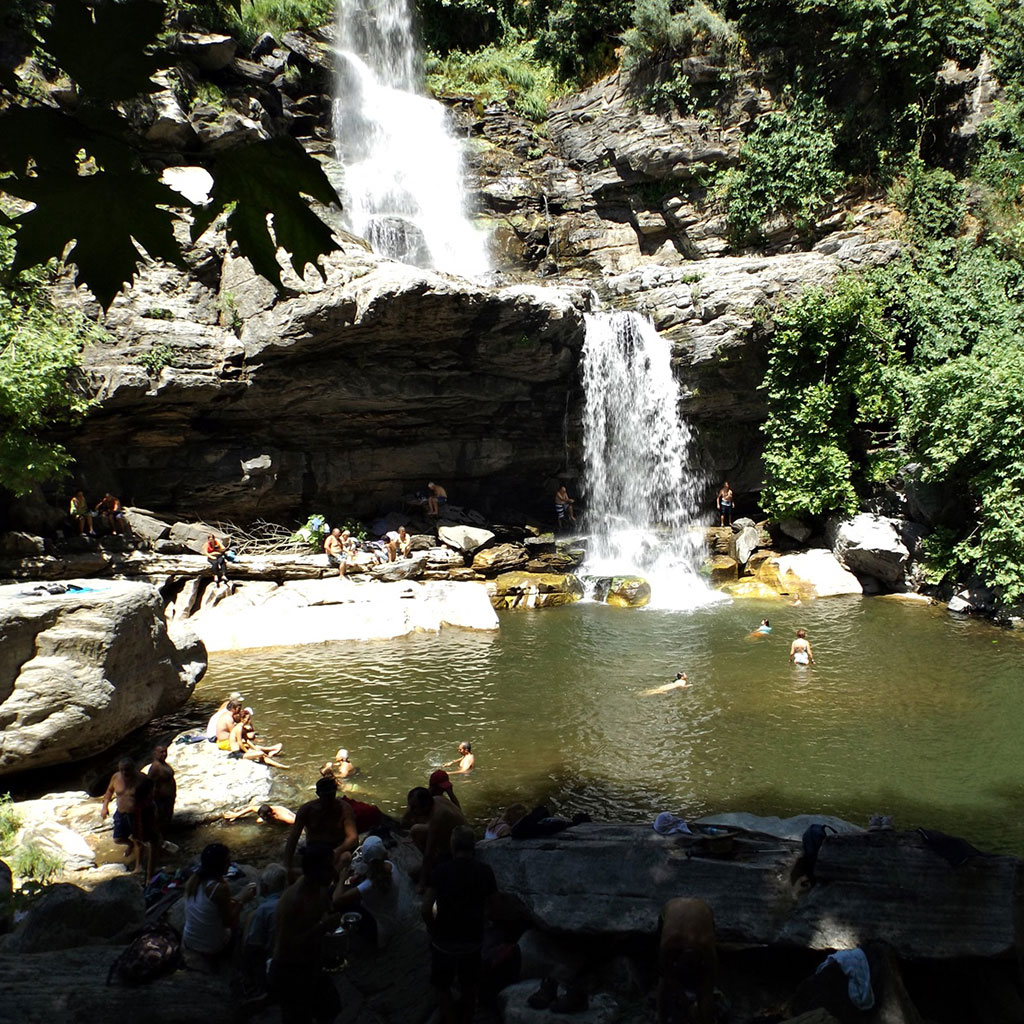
<point x="642" y="485"/>
<point x="402" y="187"/>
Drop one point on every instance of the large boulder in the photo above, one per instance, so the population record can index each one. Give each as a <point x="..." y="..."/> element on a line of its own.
<point x="466" y="539"/>
<point x="746" y="542"/>
<point x="534" y="590"/>
<point x="146" y="526"/>
<point x="816" y="572"/>
<point x="501" y="558"/>
<point x="65" y="845"/>
<point x="401" y="569"/>
<point x="79" y="670"/>
<point x="194" y="535"/>
<point x="870" y="545"/>
<point x="210" y="783"/>
<point x="67" y="916"/>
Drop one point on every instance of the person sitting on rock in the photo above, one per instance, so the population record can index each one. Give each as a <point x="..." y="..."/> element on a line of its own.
<point x="222" y="721"/>
<point x="111" y="509"/>
<point x="437" y="496"/>
<point x="348" y="551"/>
<point x="687" y="962"/>
<point x="211" y="913"/>
<point x="79" y="512"/>
<point x="563" y="507"/>
<point x="216" y="555"/>
<point x="243" y="742"/>
<point x="335" y="551"/>
<point x="397" y="543"/>
<point x="374" y="888"/>
<point x="328" y="823"/>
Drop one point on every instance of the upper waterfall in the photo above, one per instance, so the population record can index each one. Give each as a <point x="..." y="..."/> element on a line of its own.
<point x="643" y="485"/>
<point x="402" y="187"/>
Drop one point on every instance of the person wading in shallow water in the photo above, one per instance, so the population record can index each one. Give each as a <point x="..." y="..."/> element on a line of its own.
<point x="800" y="652"/>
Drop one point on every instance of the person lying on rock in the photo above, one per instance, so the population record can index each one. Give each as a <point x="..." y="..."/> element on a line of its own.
<point x="687" y="962"/>
<point x="328" y="823"/>
<point x="244" y="745"/>
<point x="431" y="820"/>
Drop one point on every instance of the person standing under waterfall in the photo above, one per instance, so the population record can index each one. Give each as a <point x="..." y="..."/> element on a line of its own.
<point x="725" y="504"/>
<point x="563" y="506"/>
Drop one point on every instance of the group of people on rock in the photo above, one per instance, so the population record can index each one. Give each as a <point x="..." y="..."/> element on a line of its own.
<point x="231" y="728"/>
<point x="341" y="547"/>
<point x="108" y="510"/>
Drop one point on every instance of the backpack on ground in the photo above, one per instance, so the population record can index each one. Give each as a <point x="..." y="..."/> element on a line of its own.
<point x="154" y="952"/>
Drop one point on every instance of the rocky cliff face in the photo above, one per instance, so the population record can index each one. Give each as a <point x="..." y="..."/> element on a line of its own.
<point x="360" y="388"/>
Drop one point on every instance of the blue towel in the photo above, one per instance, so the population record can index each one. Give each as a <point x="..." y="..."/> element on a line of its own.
<point x="667" y="824"/>
<point x="854" y="965"/>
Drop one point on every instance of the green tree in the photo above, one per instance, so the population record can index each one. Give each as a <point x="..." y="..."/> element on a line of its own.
<point x="39" y="375"/>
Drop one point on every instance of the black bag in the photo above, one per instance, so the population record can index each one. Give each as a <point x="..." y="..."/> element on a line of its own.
<point x="154" y="952"/>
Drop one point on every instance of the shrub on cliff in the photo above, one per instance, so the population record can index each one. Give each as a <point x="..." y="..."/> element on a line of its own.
<point x="40" y="386"/>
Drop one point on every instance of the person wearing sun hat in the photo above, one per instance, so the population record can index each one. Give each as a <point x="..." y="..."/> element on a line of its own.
<point x="377" y="895"/>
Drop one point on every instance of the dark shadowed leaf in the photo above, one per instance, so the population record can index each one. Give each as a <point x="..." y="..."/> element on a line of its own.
<point x="103" y="48"/>
<point x="102" y="214"/>
<point x="271" y="177"/>
<point x="52" y="140"/>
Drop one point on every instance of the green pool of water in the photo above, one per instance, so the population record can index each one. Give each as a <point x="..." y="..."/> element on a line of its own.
<point x="908" y="712"/>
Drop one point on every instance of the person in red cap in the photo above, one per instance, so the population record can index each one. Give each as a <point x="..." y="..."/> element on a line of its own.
<point x="440" y="785"/>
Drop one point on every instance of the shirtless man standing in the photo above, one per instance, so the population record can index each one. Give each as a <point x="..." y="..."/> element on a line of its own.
<point x="122" y="789"/>
<point x="431" y="820"/>
<point x="302" y="919"/>
<point x="334" y="550"/>
<point x="165" y="789"/>
<point x="465" y="760"/>
<point x="328" y="823"/>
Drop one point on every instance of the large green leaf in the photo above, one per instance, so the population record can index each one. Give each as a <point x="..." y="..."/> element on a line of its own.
<point x="264" y="178"/>
<point x="104" y="215"/>
<point x="51" y="140"/>
<point x="103" y="47"/>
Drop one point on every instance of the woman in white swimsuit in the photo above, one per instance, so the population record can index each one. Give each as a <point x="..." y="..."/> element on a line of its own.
<point x="800" y="652"/>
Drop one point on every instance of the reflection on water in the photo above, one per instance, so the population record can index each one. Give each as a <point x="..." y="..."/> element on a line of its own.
<point x="908" y="712"/>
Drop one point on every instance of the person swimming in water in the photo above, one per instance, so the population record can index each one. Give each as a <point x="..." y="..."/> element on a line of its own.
<point x="763" y="630"/>
<point x="679" y="683"/>
<point x="800" y="652"/>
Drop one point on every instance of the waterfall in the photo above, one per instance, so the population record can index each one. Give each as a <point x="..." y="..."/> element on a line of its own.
<point x="402" y="185"/>
<point x="643" y="487"/>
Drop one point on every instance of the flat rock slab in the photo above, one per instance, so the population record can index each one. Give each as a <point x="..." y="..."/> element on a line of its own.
<point x="338" y="609"/>
<point x="613" y="879"/>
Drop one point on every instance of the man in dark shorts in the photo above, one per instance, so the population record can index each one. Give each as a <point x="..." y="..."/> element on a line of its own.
<point x="123" y="788"/>
<point x="328" y="823"/>
<point x="455" y="905"/>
